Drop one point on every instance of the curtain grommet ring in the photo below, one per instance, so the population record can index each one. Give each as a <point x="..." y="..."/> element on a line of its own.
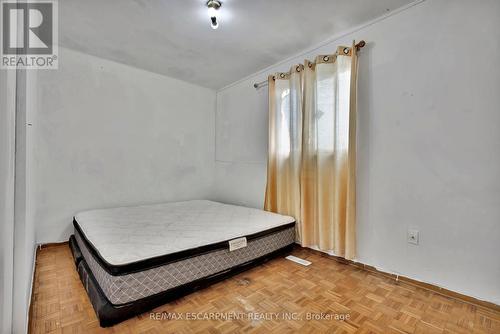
<point x="346" y="51"/>
<point x="326" y="58"/>
<point x="297" y="68"/>
<point x="282" y="75"/>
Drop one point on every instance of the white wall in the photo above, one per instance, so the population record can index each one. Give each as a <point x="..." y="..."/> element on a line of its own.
<point x="17" y="229"/>
<point x="24" y="226"/>
<point x="107" y="134"/>
<point x="429" y="143"/>
<point x="7" y="156"/>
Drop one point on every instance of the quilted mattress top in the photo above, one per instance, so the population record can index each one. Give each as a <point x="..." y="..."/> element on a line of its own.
<point x="130" y="234"/>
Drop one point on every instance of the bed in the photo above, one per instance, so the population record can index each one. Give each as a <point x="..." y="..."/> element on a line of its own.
<point x="133" y="259"/>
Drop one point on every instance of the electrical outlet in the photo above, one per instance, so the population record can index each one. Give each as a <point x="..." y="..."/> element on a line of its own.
<point x="413" y="237"/>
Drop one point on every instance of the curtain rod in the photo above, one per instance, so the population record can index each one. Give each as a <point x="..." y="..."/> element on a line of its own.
<point x="264" y="83"/>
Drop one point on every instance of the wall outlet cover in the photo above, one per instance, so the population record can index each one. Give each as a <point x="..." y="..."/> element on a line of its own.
<point x="413" y="236"/>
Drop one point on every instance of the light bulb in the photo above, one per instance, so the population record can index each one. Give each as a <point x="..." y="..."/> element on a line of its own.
<point x="212" y="12"/>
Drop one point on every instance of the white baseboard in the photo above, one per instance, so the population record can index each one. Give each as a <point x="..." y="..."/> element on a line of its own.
<point x="32" y="282"/>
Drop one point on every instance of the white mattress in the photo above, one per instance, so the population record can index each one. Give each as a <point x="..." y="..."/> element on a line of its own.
<point x="130" y="234"/>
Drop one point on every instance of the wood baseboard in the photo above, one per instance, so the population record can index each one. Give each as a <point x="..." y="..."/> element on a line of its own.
<point x="407" y="280"/>
<point x="53" y="244"/>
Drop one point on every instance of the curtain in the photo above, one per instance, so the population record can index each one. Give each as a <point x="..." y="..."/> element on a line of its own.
<point x="312" y="150"/>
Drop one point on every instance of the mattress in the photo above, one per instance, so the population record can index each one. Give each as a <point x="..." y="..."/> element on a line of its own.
<point x="128" y="238"/>
<point x="134" y="253"/>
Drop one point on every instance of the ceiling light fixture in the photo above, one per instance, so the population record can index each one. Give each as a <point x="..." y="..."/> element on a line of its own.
<point x="213" y="7"/>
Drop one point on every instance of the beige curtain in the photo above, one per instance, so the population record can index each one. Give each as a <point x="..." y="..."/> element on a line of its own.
<point x="312" y="150"/>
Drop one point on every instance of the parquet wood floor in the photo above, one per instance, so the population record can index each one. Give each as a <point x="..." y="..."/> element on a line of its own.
<point x="371" y="303"/>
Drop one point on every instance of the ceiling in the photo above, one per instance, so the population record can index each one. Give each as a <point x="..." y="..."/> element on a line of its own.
<point x="174" y="37"/>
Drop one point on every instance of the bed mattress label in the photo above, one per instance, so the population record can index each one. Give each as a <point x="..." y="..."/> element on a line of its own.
<point x="237" y="244"/>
